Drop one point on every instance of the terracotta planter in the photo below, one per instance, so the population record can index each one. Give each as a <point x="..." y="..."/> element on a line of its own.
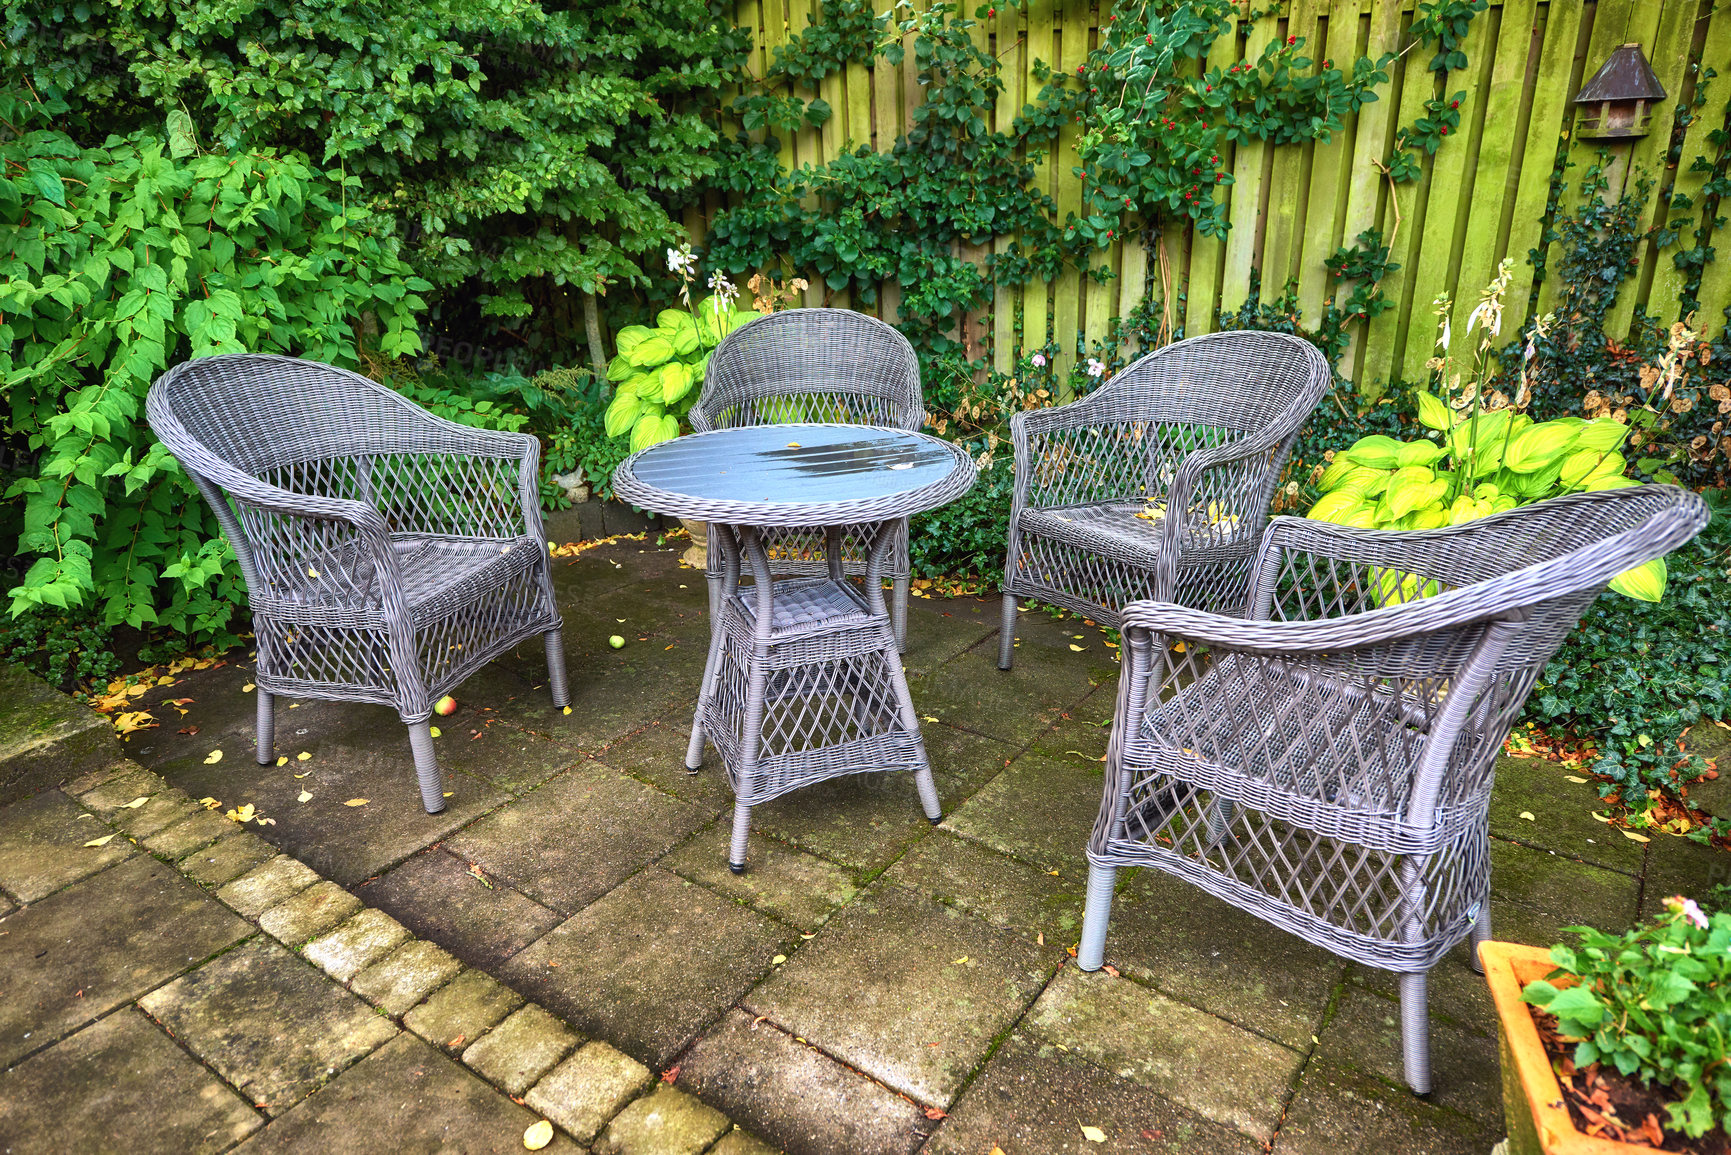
<point x="1533" y="1107"/>
<point x="696" y="555"/>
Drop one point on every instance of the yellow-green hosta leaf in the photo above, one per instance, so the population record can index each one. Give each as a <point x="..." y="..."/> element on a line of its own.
<point x="630" y="337"/>
<point x="653" y="350"/>
<point x="684" y="340"/>
<point x="1408" y="497"/>
<point x="622" y="414"/>
<point x="1430" y="517"/>
<point x="646" y="432"/>
<point x="701" y="368"/>
<point x="1419" y="453"/>
<point x="741" y="320"/>
<point x="1363" y="479"/>
<point x="1584" y="465"/>
<point x="669" y="427"/>
<point x="1533" y="486"/>
<point x="1595" y="484"/>
<point x="620" y="368"/>
<point x="1643" y="583"/>
<point x="1602" y="434"/>
<point x="1479" y="441"/>
<point x="1377" y="451"/>
<point x="676" y="381"/>
<point x="1432" y="413"/>
<point x="675" y="319"/>
<point x="1540" y="446"/>
<point x="1335" y="474"/>
<point x="1613" y="465"/>
<point x="1336" y="507"/>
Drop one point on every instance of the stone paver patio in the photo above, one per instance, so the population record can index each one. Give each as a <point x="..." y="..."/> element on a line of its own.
<point x="566" y="942"/>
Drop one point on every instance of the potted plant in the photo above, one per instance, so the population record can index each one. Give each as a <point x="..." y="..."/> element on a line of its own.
<point x="1619" y="1044"/>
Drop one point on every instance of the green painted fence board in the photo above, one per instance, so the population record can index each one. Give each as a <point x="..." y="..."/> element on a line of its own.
<point x="1664" y="299"/>
<point x="1206" y="253"/>
<point x="1067" y="289"/>
<point x="1330" y="166"/>
<point x="1247" y="191"/>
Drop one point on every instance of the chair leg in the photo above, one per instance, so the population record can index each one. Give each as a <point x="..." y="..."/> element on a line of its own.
<point x="266" y="728"/>
<point x="556" y="681"/>
<point x="1415" y="1032"/>
<point x="1007" y="633"/>
<point x="427" y="766"/>
<point x="899" y="613"/>
<point x="741" y="832"/>
<point x="1481" y="934"/>
<point x="1091" y="954"/>
<point x="928" y="794"/>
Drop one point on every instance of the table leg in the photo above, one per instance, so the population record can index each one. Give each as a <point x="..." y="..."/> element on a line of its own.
<point x="756" y="692"/>
<point x="881" y="547"/>
<point x="718" y="599"/>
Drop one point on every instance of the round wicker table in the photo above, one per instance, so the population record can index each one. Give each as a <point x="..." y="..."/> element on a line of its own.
<point x="804" y="682"/>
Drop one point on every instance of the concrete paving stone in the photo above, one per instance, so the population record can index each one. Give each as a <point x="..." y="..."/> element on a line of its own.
<point x="1071" y="739"/>
<point x="355" y="945"/>
<point x="998" y="889"/>
<point x="227" y="859"/>
<point x="506" y="730"/>
<point x="462" y="1010"/>
<point x="1221" y="1071"/>
<point x="42" y="846"/>
<point x="614" y="692"/>
<point x="1577" y="893"/>
<point x="585" y="1091"/>
<point x="194" y="832"/>
<point x="45" y="736"/>
<point x="1678" y="866"/>
<point x="1363" y="1032"/>
<point x="7" y="906"/>
<point x="128" y="786"/>
<point x="482" y="920"/>
<point x="348" y="844"/>
<point x="942" y="629"/>
<point x="405" y="977"/>
<point x="781" y="881"/>
<point x="971" y="693"/>
<point x="91" y="779"/>
<point x="737" y="1142"/>
<point x="403" y="1097"/>
<point x="1209" y="954"/>
<point x="162" y="811"/>
<point x="313" y="911"/>
<point x="521" y="1049"/>
<point x="969" y="758"/>
<point x="650" y="965"/>
<point x="268" y="1022"/>
<point x="578" y="836"/>
<point x="1562" y="818"/>
<point x="1040" y="810"/>
<point x="665" y="1122"/>
<point x="99" y="944"/>
<point x="1032" y="1099"/>
<point x="1340" y="1111"/>
<point x="794" y="1094"/>
<point x="861" y="821"/>
<point x="655" y="753"/>
<point x="265" y="885"/>
<point x="906" y="990"/>
<point x="119" y="1085"/>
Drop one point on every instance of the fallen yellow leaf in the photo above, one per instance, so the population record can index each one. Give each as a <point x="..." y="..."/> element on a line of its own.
<point x="103" y="841"/>
<point x="435" y="732"/>
<point x="1528" y="815"/>
<point x="283" y="761"/>
<point x="213" y="758"/>
<point x="305" y="796"/>
<point x="538" y="1135"/>
<point x="247" y="689"/>
<point x="777" y="960"/>
<point x="1573" y="778"/>
<point x="1633" y="837"/>
<point x="567" y="709"/>
<point x="136" y="802"/>
<point x="356" y="802"/>
<point x="1092" y="1134"/>
<point x="1178" y="647"/>
<point x="1075" y="647"/>
<point x="302" y="756"/>
<point x="959" y="962"/>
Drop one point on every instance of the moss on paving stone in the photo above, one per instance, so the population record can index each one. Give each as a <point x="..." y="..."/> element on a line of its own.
<point x="263" y="887"/>
<point x="405" y="977"/>
<point x="1032" y="1099"/>
<point x="45" y="737"/>
<point x="313" y="911"/>
<point x="1562" y="814"/>
<point x="194" y="832"/>
<point x="355" y="944"/>
<point x="1040" y="810"/>
<point x="480" y="919"/>
<point x="100" y="943"/>
<point x="664" y="1122"/>
<point x="42" y="846"/>
<point x="862" y="821"/>
<point x="1576" y="892"/>
<point x="782" y="881"/>
<point x="463" y="1010"/>
<point x="227" y="859"/>
<point x="737" y="1142"/>
<point x="997" y="888"/>
<point x="128" y="786"/>
<point x="1221" y="1071"/>
<point x="158" y="813"/>
<point x="1340" y="1111"/>
<point x="268" y="1022"/>
<point x="120" y="1084"/>
<point x="1363" y="1032"/>
<point x="521" y="1049"/>
<point x="586" y="1090"/>
<point x="796" y="1095"/>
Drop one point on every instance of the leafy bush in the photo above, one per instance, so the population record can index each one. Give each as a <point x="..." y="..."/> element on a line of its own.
<point x="1655" y="1003"/>
<point x="65" y="649"/>
<point x="122" y="260"/>
<point x="658" y="373"/>
<point x="969" y="535"/>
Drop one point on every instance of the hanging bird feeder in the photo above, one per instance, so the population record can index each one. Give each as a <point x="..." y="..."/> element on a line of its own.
<point x="1618" y="101"/>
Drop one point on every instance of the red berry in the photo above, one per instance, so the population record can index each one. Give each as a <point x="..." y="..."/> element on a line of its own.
<point x="1150" y="39"/>
<point x="1291" y="40"/>
<point x="1445" y="130"/>
<point x="1454" y="104"/>
<point x="1210" y="88"/>
<point x="1328" y="64"/>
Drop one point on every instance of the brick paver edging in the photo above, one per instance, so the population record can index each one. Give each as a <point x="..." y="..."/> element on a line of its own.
<point x="602" y="1098"/>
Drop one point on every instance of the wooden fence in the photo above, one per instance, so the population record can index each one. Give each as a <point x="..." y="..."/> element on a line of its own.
<point x="1482" y="197"/>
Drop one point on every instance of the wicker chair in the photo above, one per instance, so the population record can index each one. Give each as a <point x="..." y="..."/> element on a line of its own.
<point x="388" y="553"/>
<point x="1325" y="762"/>
<point x="814" y="365"/>
<point x="1157" y="484"/>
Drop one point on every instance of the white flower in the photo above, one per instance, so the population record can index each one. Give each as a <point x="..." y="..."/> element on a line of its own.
<point x="1096" y="368"/>
<point x="1039" y="360"/>
<point x="1689" y="910"/>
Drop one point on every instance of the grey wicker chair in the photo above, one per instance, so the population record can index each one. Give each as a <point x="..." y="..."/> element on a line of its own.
<point x="388" y="553"/>
<point x="831" y="365"/>
<point x="1157" y="484"/>
<point x="1325" y="762"/>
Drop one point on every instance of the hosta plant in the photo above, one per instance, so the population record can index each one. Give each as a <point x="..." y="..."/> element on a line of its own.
<point x="1655" y="1003"/>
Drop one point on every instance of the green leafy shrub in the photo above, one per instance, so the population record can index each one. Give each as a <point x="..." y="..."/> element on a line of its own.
<point x="1655" y="1003"/>
<point x="658" y="373"/>
<point x="67" y="650"/>
<point x="122" y="260"/>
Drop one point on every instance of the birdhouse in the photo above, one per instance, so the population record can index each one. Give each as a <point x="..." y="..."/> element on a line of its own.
<point x="1618" y="101"/>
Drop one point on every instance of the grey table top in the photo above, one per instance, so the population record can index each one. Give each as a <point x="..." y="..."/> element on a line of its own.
<point x="801" y="474"/>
